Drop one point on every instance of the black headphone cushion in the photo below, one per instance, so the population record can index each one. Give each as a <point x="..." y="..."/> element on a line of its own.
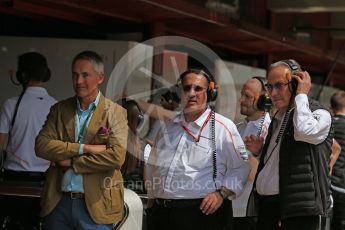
<point x="133" y="111"/>
<point x="212" y="95"/>
<point x="264" y="103"/>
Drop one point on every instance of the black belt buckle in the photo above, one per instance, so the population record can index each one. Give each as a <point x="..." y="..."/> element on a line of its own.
<point x="172" y="203"/>
<point x="166" y="203"/>
<point x="75" y="195"/>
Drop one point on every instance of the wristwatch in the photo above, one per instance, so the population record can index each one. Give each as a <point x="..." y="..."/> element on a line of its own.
<point x="222" y="193"/>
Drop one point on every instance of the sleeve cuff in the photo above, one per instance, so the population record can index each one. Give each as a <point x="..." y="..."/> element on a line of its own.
<point x="301" y="98"/>
<point x="81" y="149"/>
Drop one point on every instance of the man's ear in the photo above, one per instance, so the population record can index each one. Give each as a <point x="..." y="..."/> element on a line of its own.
<point x="101" y="78"/>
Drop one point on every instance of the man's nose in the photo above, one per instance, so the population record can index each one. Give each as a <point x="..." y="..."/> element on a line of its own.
<point x="191" y="92"/>
<point x="78" y="78"/>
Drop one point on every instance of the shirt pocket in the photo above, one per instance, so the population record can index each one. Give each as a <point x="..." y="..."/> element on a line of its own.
<point x="199" y="157"/>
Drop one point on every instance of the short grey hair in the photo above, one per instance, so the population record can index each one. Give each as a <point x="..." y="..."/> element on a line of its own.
<point x="93" y="57"/>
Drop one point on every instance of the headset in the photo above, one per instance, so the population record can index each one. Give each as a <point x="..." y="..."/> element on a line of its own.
<point x="127" y="103"/>
<point x="212" y="91"/>
<point x="294" y="67"/>
<point x="32" y="66"/>
<point x="263" y="101"/>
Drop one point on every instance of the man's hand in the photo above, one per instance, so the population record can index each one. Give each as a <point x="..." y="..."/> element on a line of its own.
<point x="254" y="144"/>
<point x="64" y="164"/>
<point x="211" y="203"/>
<point x="94" y="149"/>
<point x="304" y="82"/>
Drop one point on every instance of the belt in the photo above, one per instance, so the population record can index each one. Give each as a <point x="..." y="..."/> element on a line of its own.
<point x="178" y="203"/>
<point x="74" y="195"/>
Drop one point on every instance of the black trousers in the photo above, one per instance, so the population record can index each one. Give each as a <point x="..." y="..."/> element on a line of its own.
<point x="306" y="223"/>
<point x="270" y="218"/>
<point x="189" y="218"/>
<point x="244" y="223"/>
<point x="269" y="213"/>
<point x="338" y="221"/>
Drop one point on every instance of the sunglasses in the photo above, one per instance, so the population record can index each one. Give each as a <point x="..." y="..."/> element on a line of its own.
<point x="277" y="86"/>
<point x="197" y="88"/>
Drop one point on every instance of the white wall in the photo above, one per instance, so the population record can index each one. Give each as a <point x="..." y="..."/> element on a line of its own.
<point x="59" y="54"/>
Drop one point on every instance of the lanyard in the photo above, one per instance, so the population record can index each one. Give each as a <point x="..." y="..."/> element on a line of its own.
<point x="81" y="131"/>
<point x="196" y="139"/>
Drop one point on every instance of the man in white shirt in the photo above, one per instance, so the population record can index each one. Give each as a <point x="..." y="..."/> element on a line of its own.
<point x="293" y="182"/>
<point x="20" y="121"/>
<point x="197" y="164"/>
<point x="255" y="105"/>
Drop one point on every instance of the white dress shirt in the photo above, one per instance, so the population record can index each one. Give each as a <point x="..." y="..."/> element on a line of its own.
<point x="181" y="168"/>
<point x="310" y="127"/>
<point x="247" y="128"/>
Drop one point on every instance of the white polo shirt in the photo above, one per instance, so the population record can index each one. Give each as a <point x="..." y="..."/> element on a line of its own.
<point x="247" y="128"/>
<point x="32" y="112"/>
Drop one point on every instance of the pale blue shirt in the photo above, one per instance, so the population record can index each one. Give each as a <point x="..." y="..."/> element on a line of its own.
<point x="73" y="182"/>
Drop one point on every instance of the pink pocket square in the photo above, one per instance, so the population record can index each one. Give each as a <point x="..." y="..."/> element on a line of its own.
<point x="103" y="131"/>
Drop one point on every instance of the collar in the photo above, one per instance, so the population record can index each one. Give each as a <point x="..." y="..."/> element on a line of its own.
<point x="93" y="104"/>
<point x="35" y="89"/>
<point x="199" y="122"/>
<point x="257" y="122"/>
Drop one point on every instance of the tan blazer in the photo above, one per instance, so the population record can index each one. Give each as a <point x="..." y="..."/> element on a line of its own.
<point x="103" y="184"/>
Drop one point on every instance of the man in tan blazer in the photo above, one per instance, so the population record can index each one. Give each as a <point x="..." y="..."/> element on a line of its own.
<point x="85" y="138"/>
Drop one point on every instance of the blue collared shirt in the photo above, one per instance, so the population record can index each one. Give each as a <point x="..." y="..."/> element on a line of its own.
<point x="73" y="182"/>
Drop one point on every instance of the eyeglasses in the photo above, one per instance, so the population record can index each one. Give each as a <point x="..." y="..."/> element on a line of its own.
<point x="277" y="86"/>
<point x="197" y="88"/>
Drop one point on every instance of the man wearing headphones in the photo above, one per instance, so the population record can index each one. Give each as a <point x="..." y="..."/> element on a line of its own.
<point x="255" y="105"/>
<point x="197" y="163"/>
<point x="293" y="181"/>
<point x="20" y="121"/>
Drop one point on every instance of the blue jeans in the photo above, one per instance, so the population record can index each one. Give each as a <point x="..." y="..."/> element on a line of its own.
<point x="72" y="214"/>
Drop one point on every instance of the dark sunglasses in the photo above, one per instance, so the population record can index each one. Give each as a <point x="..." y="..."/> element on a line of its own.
<point x="197" y="88"/>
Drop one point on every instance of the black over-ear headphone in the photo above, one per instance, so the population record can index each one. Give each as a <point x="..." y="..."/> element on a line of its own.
<point x="32" y="66"/>
<point x="294" y="67"/>
<point x="127" y="103"/>
<point x="263" y="100"/>
<point x="212" y="92"/>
